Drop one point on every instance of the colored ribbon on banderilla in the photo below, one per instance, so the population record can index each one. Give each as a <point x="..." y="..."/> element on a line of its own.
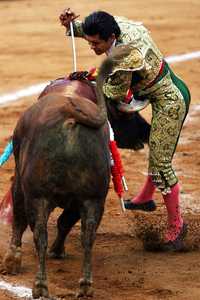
<point x="6" y="205"/>
<point x="6" y="153"/>
<point x="117" y="171"/>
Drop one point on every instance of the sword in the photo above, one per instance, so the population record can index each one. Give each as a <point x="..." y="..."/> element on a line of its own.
<point x="73" y="46"/>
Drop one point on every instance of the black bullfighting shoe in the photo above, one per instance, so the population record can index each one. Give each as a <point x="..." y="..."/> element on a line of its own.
<point x="147" y="206"/>
<point x="176" y="245"/>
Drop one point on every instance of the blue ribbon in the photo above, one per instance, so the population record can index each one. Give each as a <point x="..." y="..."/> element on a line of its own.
<point x="6" y="153"/>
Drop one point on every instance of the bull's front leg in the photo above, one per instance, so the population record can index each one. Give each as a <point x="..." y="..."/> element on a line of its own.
<point x="90" y="219"/>
<point x="12" y="260"/>
<point x="40" y="235"/>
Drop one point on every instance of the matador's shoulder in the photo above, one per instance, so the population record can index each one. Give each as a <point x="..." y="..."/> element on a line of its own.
<point x="127" y="58"/>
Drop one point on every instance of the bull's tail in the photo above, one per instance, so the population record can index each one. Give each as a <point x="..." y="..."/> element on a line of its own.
<point x="104" y="71"/>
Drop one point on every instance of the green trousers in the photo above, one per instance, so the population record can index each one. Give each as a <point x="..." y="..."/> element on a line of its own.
<point x="170" y="99"/>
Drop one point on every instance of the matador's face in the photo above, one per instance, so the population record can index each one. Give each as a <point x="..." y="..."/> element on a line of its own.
<point x="98" y="45"/>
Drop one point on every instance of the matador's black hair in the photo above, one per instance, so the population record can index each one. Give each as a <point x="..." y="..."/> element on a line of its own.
<point x="101" y="23"/>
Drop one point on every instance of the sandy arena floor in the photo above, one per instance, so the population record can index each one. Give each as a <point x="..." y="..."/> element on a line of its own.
<point x="33" y="50"/>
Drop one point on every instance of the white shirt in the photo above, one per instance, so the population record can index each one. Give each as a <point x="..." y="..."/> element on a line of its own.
<point x="111" y="48"/>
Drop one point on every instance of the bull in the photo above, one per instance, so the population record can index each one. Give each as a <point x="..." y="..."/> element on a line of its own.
<point x="62" y="158"/>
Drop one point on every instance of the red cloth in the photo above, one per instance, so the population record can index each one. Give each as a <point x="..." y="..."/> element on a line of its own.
<point x="117" y="181"/>
<point x="116" y="169"/>
<point x="6" y="208"/>
<point x="92" y="74"/>
<point x="129" y="96"/>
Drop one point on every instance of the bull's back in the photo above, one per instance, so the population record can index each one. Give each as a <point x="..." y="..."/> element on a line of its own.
<point x="64" y="86"/>
<point x="67" y="159"/>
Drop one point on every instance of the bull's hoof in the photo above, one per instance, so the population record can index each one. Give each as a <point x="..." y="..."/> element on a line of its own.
<point x="52" y="253"/>
<point x="40" y="289"/>
<point x="12" y="260"/>
<point x="86" y="289"/>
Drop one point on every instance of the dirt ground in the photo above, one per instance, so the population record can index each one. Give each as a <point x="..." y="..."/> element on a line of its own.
<point x="34" y="49"/>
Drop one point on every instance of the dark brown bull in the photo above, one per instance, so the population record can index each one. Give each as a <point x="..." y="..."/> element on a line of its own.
<point x="62" y="160"/>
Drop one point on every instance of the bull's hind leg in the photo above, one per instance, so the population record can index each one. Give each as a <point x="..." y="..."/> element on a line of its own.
<point x="39" y="211"/>
<point x="13" y="257"/>
<point x="91" y="215"/>
<point x="65" y="222"/>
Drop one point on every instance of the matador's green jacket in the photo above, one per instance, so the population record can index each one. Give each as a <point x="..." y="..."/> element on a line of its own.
<point x="145" y="71"/>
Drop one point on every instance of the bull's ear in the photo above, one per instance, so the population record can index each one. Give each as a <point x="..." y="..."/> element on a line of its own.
<point x="131" y="132"/>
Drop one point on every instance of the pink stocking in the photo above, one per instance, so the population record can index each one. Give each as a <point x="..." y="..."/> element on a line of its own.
<point x="146" y="192"/>
<point x="175" y="221"/>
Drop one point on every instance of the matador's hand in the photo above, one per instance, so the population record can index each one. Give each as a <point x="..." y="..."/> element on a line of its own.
<point x="66" y="17"/>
